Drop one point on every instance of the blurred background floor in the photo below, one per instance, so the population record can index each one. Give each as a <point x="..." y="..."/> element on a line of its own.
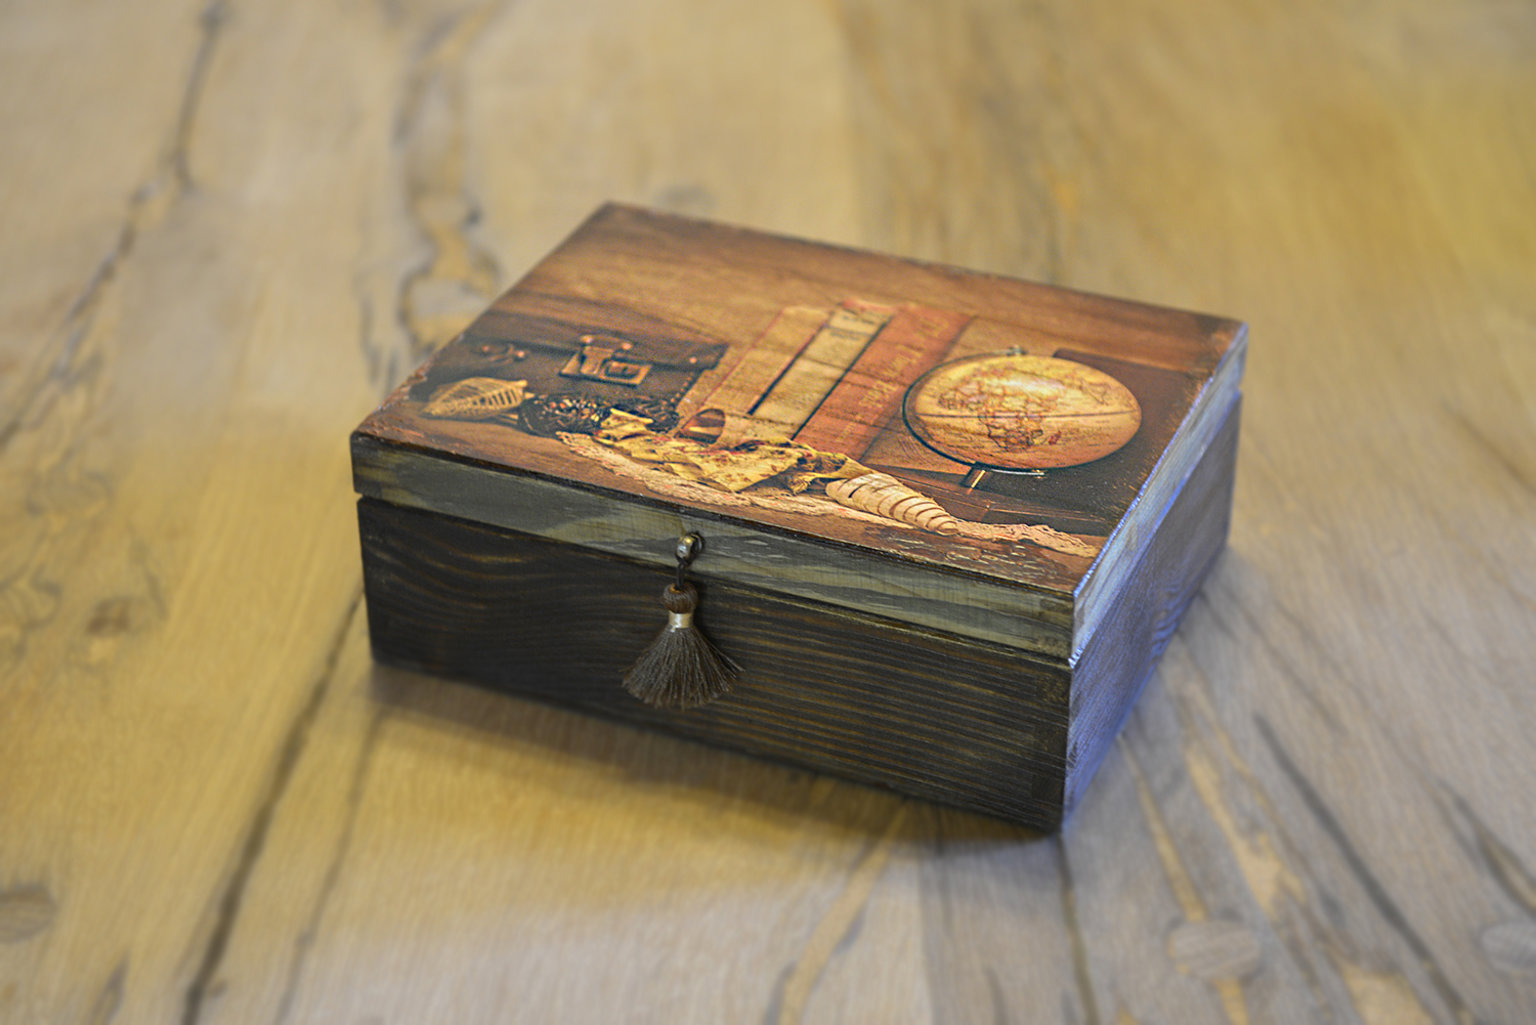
<point x="230" y="228"/>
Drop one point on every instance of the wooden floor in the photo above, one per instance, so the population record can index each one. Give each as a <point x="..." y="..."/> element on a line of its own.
<point x="229" y="228"/>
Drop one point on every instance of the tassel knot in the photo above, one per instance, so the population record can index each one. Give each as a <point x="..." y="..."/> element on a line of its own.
<point x="680" y="669"/>
<point x="680" y="602"/>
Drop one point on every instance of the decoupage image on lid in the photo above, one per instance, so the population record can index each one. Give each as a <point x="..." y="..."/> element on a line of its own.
<point x="949" y="418"/>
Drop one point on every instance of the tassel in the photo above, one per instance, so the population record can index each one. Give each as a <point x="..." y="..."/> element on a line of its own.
<point x="681" y="669"/>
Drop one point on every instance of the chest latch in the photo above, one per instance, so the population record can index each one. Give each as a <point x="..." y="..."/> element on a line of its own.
<point x="605" y="358"/>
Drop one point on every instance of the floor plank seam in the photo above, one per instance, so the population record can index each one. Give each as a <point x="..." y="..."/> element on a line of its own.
<point x="211" y="25"/>
<point x="1082" y="972"/>
<point x="294" y="742"/>
<point x="1385" y="905"/>
<point x="305" y="940"/>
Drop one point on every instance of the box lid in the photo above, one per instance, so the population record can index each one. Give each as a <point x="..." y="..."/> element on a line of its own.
<point x="958" y="450"/>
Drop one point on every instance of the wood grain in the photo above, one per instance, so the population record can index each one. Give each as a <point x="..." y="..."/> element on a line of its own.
<point x="979" y="726"/>
<point x="231" y="227"/>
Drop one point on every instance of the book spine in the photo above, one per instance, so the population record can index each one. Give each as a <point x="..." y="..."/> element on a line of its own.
<point x="809" y="378"/>
<point x="743" y="384"/>
<point x="867" y="398"/>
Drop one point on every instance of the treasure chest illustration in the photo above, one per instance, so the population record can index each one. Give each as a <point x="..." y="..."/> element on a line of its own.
<point x="551" y="373"/>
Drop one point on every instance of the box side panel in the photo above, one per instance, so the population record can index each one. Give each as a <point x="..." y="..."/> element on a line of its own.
<point x="1139" y="622"/>
<point x="970" y="724"/>
<point x="1145" y="516"/>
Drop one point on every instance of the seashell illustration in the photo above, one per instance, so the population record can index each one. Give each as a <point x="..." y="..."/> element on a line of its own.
<point x="884" y="495"/>
<point x="476" y="398"/>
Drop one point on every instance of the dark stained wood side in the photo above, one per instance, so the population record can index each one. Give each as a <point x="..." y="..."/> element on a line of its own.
<point x="975" y="725"/>
<point x="1117" y="662"/>
<point x="966" y="723"/>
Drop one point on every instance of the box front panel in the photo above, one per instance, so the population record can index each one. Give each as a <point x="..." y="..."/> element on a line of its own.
<point x="970" y="724"/>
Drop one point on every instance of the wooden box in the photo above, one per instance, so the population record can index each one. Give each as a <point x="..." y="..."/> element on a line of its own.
<point x="950" y="520"/>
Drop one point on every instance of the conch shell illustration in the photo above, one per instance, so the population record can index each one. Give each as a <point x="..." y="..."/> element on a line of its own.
<point x="884" y="495"/>
<point x="476" y="398"/>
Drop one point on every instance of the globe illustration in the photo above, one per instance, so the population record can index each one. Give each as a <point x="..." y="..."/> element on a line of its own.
<point x="1014" y="411"/>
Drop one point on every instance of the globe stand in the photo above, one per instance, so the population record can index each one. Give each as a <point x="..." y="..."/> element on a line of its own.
<point x="972" y="480"/>
<point x="978" y="475"/>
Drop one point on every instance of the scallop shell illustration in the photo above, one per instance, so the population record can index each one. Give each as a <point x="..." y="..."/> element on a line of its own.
<point x="884" y="495"/>
<point x="476" y="398"/>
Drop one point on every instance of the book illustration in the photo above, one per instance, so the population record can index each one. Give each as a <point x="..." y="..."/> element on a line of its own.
<point x="800" y="389"/>
<point x="862" y="405"/>
<point x="749" y="369"/>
